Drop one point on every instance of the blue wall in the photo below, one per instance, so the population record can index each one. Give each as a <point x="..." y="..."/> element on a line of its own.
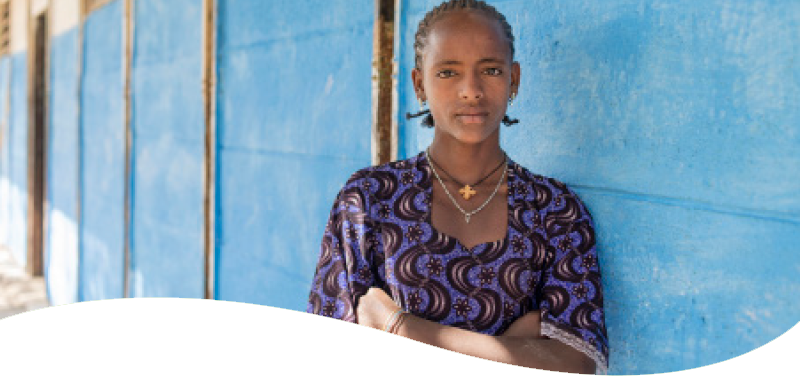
<point x="102" y="141"/>
<point x="61" y="245"/>
<point x="18" y="159"/>
<point x="293" y="123"/>
<point x="168" y="141"/>
<point x="5" y="153"/>
<point x="676" y="123"/>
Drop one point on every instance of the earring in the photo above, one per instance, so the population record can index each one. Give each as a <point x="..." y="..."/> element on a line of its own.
<point x="421" y="104"/>
<point x="511" y="100"/>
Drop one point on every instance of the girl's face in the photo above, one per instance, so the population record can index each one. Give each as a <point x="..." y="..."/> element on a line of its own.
<point x="467" y="76"/>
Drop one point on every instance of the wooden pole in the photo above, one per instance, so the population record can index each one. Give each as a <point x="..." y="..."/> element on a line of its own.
<point x="128" y="30"/>
<point x="209" y="161"/>
<point x="383" y="132"/>
<point x="78" y="112"/>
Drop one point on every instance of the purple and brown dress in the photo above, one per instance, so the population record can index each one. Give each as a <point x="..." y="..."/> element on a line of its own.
<point x="379" y="234"/>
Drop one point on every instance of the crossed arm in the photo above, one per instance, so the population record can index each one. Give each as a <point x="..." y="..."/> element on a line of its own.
<point x="520" y="345"/>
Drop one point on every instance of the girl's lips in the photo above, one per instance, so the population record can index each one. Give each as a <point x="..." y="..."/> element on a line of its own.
<point x="476" y="118"/>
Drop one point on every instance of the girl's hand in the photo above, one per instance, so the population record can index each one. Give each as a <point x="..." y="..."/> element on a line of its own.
<point x="529" y="325"/>
<point x="374" y="308"/>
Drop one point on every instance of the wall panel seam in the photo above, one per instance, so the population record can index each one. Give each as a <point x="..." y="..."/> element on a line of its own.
<point x="687" y="203"/>
<point x="128" y="36"/>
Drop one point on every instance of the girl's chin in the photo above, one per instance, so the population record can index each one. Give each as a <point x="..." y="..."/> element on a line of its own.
<point x="468" y="136"/>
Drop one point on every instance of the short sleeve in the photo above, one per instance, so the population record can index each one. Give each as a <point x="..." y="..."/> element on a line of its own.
<point x="572" y="294"/>
<point x="343" y="272"/>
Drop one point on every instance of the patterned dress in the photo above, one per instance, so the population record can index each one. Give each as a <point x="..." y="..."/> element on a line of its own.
<point x="379" y="234"/>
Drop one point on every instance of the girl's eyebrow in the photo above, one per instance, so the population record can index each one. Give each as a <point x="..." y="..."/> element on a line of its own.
<point x="449" y="62"/>
<point x="492" y="60"/>
<point x="481" y="61"/>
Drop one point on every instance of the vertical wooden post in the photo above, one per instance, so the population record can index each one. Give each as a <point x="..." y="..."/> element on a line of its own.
<point x="128" y="30"/>
<point x="37" y="118"/>
<point x="78" y="111"/>
<point x="7" y="116"/>
<point x="29" y="93"/>
<point x="383" y="132"/>
<point x="209" y="159"/>
<point x="46" y="18"/>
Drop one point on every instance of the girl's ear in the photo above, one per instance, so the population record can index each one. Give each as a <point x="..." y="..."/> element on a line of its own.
<point x="416" y="79"/>
<point x="515" y="77"/>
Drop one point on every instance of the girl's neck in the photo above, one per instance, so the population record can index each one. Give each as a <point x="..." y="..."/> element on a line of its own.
<point x="466" y="162"/>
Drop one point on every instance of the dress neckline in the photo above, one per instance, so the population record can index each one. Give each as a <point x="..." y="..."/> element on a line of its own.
<point x="429" y="208"/>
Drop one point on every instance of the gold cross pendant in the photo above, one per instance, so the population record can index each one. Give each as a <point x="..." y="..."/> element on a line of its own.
<point x="467" y="192"/>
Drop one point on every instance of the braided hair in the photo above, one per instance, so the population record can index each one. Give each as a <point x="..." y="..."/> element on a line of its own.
<point x="435" y="14"/>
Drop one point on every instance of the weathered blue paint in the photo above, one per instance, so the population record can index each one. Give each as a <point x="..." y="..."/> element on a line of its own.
<point x="293" y="123"/>
<point x="168" y="142"/>
<point x="5" y="154"/>
<point x="103" y="157"/>
<point x="676" y="123"/>
<point x="412" y="137"/>
<point x="686" y="286"/>
<point x="18" y="159"/>
<point x="61" y="245"/>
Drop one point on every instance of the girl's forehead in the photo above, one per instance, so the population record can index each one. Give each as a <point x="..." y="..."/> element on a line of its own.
<point x="466" y="33"/>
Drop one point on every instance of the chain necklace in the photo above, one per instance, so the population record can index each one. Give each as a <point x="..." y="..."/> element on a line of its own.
<point x="466" y="191"/>
<point x="467" y="215"/>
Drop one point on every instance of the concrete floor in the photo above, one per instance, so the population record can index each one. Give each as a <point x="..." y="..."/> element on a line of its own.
<point x="19" y="292"/>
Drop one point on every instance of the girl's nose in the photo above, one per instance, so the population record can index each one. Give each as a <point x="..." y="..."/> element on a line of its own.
<point x="471" y="88"/>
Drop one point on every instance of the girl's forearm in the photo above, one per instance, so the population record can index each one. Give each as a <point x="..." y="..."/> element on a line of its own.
<point x="530" y="352"/>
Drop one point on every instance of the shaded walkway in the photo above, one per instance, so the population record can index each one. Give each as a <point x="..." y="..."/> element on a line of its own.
<point x="19" y="292"/>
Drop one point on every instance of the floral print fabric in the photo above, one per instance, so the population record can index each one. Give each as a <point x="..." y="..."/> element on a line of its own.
<point x="379" y="234"/>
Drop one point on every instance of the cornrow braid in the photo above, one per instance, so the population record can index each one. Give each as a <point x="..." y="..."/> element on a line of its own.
<point x="424" y="28"/>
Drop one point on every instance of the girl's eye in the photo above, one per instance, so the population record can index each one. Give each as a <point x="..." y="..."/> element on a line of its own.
<point x="493" y="71"/>
<point x="445" y="73"/>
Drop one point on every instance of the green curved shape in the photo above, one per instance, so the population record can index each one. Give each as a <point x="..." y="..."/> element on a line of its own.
<point x="187" y="336"/>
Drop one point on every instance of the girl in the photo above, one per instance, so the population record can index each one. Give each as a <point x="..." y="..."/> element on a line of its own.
<point x="459" y="247"/>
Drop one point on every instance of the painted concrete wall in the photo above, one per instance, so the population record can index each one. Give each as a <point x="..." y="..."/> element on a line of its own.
<point x="293" y="123"/>
<point x="6" y="188"/>
<point x="17" y="134"/>
<point x="5" y="153"/>
<point x="676" y="123"/>
<point x="18" y="159"/>
<point x="168" y="140"/>
<point x="64" y="16"/>
<point x="673" y="121"/>
<point x="61" y="245"/>
<point x="103" y="159"/>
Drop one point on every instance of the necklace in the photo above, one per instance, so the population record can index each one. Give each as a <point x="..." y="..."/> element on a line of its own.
<point x="466" y="191"/>
<point x="467" y="215"/>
